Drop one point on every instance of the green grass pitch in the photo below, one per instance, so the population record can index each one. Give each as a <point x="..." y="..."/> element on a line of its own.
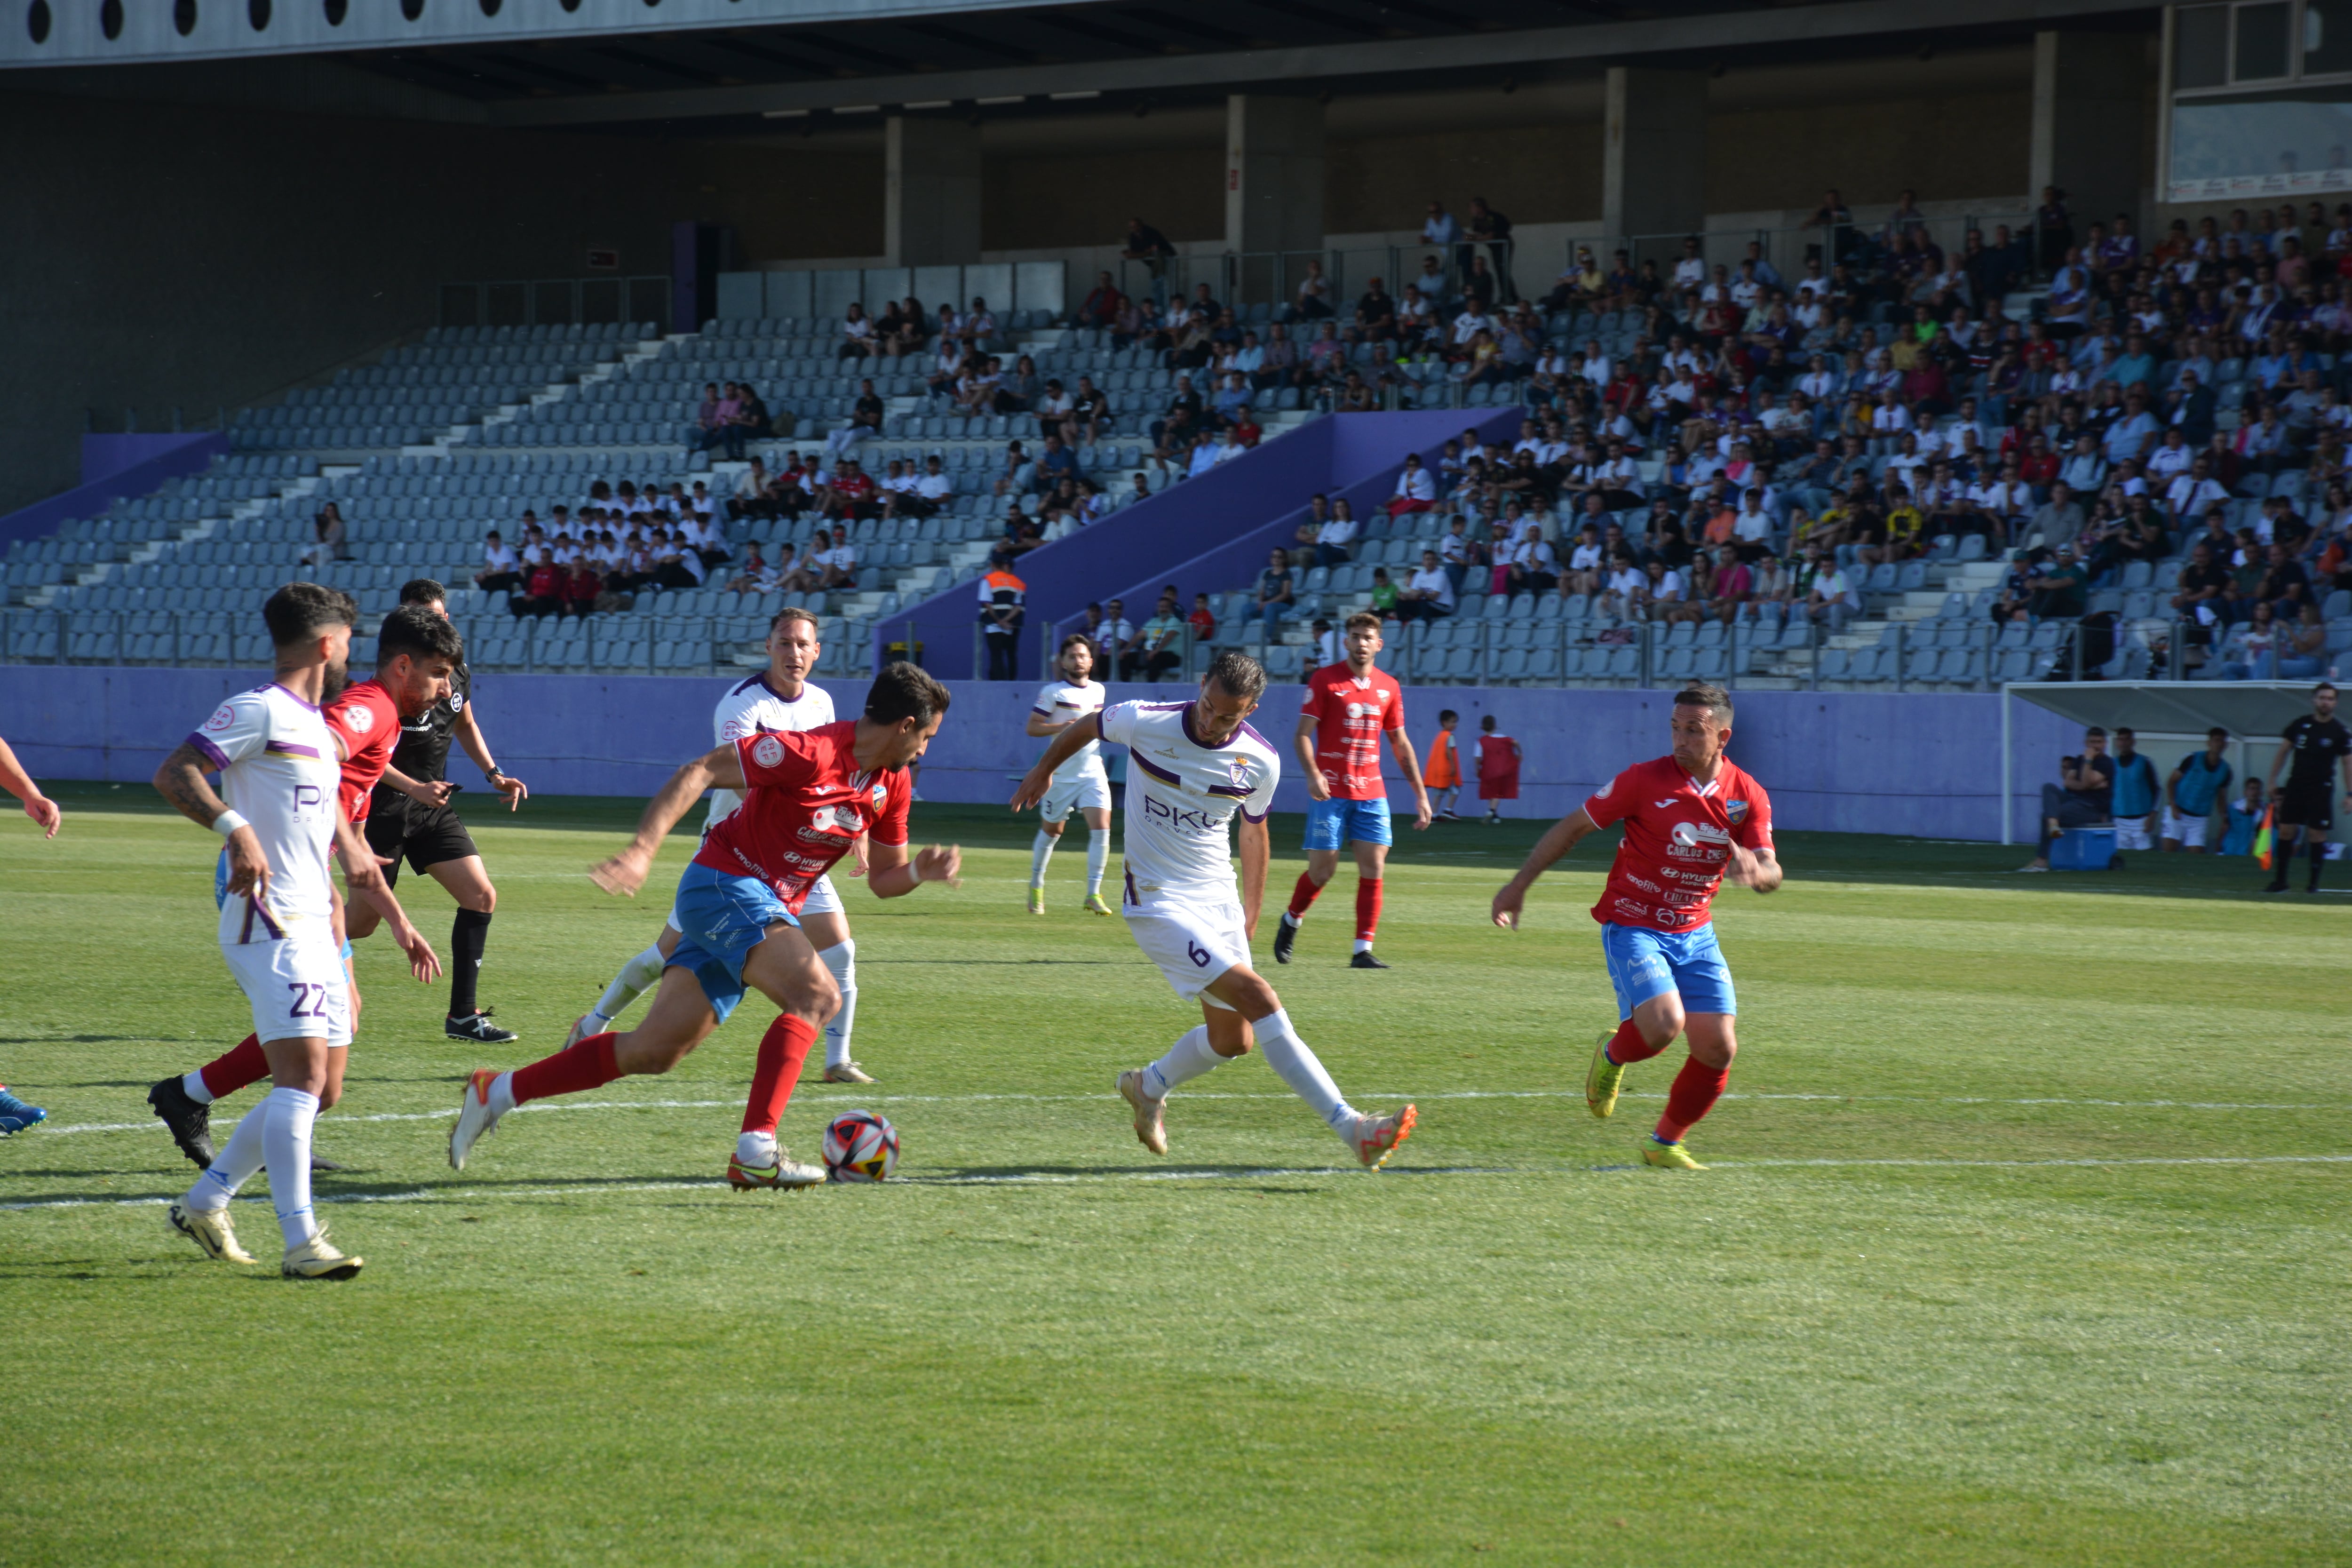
<point x="2025" y="1242"/>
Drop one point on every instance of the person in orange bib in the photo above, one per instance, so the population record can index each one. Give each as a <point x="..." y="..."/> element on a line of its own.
<point x="1443" y="775"/>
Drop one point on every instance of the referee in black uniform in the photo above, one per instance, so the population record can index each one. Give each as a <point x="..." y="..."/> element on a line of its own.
<point x="2319" y="746"/>
<point x="409" y="819"/>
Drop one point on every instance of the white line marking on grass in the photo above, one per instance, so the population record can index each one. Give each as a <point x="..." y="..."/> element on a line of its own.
<point x="833" y="1097"/>
<point x="472" y="1193"/>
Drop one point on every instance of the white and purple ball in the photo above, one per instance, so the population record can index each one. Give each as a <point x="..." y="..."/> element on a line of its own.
<point x="860" y="1146"/>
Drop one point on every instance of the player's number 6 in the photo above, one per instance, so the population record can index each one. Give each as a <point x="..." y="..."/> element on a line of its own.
<point x="1197" y="954"/>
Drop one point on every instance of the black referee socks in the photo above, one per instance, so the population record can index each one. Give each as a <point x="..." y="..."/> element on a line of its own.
<point x="467" y="936"/>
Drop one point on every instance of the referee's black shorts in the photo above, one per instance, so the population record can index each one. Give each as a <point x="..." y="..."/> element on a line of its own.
<point x="424" y="836"/>
<point x="2308" y="806"/>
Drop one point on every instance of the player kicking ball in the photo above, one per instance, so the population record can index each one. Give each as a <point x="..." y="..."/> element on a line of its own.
<point x="780" y="698"/>
<point x="809" y="796"/>
<point x="1692" y="820"/>
<point x="1083" y="785"/>
<point x="1349" y="706"/>
<point x="1194" y="765"/>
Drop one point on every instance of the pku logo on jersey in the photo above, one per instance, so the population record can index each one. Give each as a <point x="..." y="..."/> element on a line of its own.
<point x="1179" y="816"/>
<point x="767" y="750"/>
<point x="1737" y="810"/>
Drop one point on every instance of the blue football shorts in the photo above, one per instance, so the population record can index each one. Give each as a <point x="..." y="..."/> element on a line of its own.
<point x="720" y="919"/>
<point x="1644" y="963"/>
<point x="1332" y="823"/>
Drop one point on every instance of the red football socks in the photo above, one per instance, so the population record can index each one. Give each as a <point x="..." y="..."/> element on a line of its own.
<point x="241" y="1064"/>
<point x="1368" y="907"/>
<point x="588" y="1065"/>
<point x="1303" y="895"/>
<point x="1627" y="1046"/>
<point x="781" y="1050"/>
<point x="1694" y="1094"/>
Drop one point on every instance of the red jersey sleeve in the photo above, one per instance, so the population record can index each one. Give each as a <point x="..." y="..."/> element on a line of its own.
<point x="1754" y="828"/>
<point x="784" y="759"/>
<point x="890" y="827"/>
<point x="1393" y="710"/>
<point x="1612" y="800"/>
<point x="1318" y="699"/>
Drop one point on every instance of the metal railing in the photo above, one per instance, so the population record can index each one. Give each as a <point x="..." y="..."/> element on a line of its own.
<point x="555" y="301"/>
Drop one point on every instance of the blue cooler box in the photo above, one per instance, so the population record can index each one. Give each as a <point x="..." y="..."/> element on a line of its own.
<point x="2083" y="849"/>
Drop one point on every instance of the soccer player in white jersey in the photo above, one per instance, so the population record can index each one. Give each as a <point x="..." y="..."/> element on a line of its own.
<point x="1194" y="765"/>
<point x="780" y="699"/>
<point x="282" y="926"/>
<point x="1082" y="784"/>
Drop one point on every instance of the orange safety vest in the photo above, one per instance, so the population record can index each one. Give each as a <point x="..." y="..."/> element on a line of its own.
<point x="1444" y="771"/>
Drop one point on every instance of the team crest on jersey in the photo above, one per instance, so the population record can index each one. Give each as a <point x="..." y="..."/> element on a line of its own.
<point x="1239" y="768"/>
<point x="1603" y="793"/>
<point x="1737" y="810"/>
<point x="767" y="750"/>
<point x="456" y="702"/>
<point x="223" y="717"/>
<point x="358" y="718"/>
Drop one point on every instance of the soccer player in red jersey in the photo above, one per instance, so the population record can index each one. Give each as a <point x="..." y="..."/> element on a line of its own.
<point x="808" y="796"/>
<point x="1692" y="820"/>
<point x="1350" y="705"/>
<point x="416" y="653"/>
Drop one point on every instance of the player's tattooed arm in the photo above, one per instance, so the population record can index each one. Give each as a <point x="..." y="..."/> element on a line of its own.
<point x="1756" y="868"/>
<point x="1558" y="838"/>
<point x="1256" y="849"/>
<point x="363" y="874"/>
<point x="181" y="781"/>
<point x="1032" y="788"/>
<point x="625" y="872"/>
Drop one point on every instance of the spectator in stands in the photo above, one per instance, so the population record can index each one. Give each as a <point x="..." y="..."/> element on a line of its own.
<point x="849" y="493"/>
<point x="2062" y="589"/>
<point x="1415" y="489"/>
<point x="748" y="419"/>
<point x="1274" y="595"/>
<point x="501" y="573"/>
<point x="2084" y="799"/>
<point x="1002" y="616"/>
<point x="1090" y="410"/>
<point x="1173" y="433"/>
<point x="1149" y="246"/>
<point x="1102" y="304"/>
<point x="1335" y="537"/>
<point x="1203" y="620"/>
<point x="1428" y="594"/>
<point x="921" y="495"/>
<point x="857" y="334"/>
<point x="1492" y="230"/>
<point x="978" y="327"/>
<point x="1314" y="298"/>
<point x="2302" y="646"/>
<point x="543" y="593"/>
<point x="836" y="564"/>
<point x="328" y="536"/>
<point x="1112" y="632"/>
<point x="581" y="587"/>
<point x="1834" y="597"/>
<point x="1160" y="646"/>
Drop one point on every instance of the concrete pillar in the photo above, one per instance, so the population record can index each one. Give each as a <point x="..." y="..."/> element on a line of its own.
<point x="2090" y="124"/>
<point x="931" y="191"/>
<point x="1273" y="190"/>
<point x="1654" y="152"/>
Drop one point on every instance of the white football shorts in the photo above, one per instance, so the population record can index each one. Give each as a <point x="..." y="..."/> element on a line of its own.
<point x="2185" y="831"/>
<point x="1080" y="793"/>
<point x="2132" y="834"/>
<point x="1191" y="943"/>
<point x="297" y="988"/>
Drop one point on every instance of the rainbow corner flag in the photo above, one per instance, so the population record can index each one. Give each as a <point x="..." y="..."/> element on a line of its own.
<point x="2262" y="840"/>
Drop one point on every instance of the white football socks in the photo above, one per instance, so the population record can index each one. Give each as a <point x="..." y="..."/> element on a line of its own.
<point x="1297" y="1066"/>
<point x="1187" y="1059"/>
<point x="636" y="977"/>
<point x="1097" y="857"/>
<point x="756" y="1150"/>
<point x="1041" y="849"/>
<point x="233" y="1166"/>
<point x="842" y="959"/>
<point x="501" y="1099"/>
<point x="286" y="1142"/>
<point x="193" y="1083"/>
<point x="1363" y="946"/>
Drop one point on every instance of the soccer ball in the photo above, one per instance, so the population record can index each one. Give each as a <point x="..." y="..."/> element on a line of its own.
<point x="860" y="1146"/>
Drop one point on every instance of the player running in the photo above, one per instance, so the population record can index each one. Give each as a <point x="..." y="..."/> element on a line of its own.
<point x="1194" y="765"/>
<point x="282" y="926"/>
<point x="412" y="818"/>
<point x="2319" y="746"/>
<point x="781" y="700"/>
<point x="1691" y="820"/>
<point x="1347" y="707"/>
<point x="1084" y="784"/>
<point x="16" y="1115"/>
<point x="415" y="654"/>
<point x="809" y="796"/>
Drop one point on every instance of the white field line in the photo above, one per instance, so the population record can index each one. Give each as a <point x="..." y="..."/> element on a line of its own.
<point x="831" y="1097"/>
<point x="472" y="1193"/>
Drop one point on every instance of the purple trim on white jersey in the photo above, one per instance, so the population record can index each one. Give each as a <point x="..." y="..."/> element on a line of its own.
<point x="1205" y="745"/>
<point x="297" y="696"/>
<point x="212" y="753"/>
<point x="290" y="749"/>
<point x="1162" y="775"/>
<point x="1259" y="817"/>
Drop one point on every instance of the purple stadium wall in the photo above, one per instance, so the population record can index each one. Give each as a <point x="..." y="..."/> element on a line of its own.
<point x="113" y="467"/>
<point x="1860" y="762"/>
<point x="1210" y="533"/>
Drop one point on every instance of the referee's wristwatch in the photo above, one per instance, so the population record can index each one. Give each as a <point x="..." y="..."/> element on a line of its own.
<point x="494" y="775"/>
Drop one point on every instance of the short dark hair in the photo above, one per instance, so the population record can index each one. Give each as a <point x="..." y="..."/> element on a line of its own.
<point x="423" y="591"/>
<point x="1240" y="675"/>
<point x="1445" y="713"/>
<point x="905" y="690"/>
<point x="300" y="610"/>
<point x="2096" y="730"/>
<point x="1713" y="698"/>
<point x="795" y="613"/>
<point x="2323" y="686"/>
<point x="419" y="633"/>
<point x="1078" y="637"/>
